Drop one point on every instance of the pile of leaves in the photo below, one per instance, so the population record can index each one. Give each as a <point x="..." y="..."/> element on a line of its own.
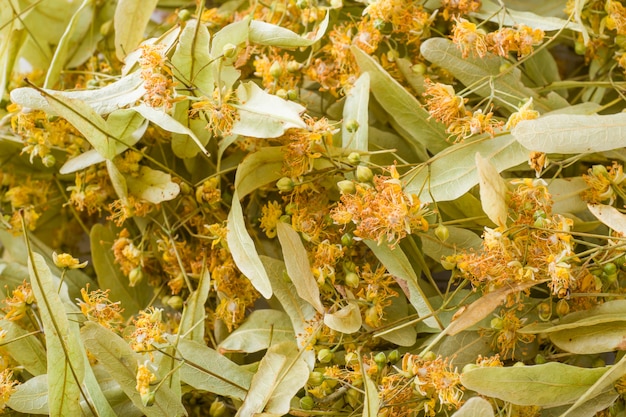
<point x="312" y="208"/>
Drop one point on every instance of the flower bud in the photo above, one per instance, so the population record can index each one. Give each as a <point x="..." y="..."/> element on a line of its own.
<point x="364" y="174"/>
<point x="176" y="302"/>
<point x="544" y="311"/>
<point x="229" y="50"/>
<point x="282" y="93"/>
<point x="442" y="232"/>
<point x="354" y="158"/>
<point x="347" y="239"/>
<point x="276" y="69"/>
<point x="307" y="403"/>
<point x="218" y="409"/>
<point x="325" y="356"/>
<point x="353" y="397"/>
<point x="184" y="15"/>
<point x="352" y="280"/>
<point x="315" y="378"/>
<point x="419" y="69"/>
<point x="351" y="359"/>
<point x="380" y="359"/>
<point x="497" y="323"/>
<point x="285" y="185"/>
<point x="562" y="308"/>
<point x="352" y="125"/>
<point x="599" y="170"/>
<point x="135" y="276"/>
<point x="346" y="187"/>
<point x="49" y="160"/>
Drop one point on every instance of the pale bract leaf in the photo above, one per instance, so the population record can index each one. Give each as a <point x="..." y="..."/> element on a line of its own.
<point x="263" y="115"/>
<point x="64" y="352"/>
<point x="192" y="321"/>
<point x="397" y="263"/>
<point x="234" y="33"/>
<point x="272" y="35"/>
<point x="298" y="266"/>
<point x="355" y="111"/>
<point x="281" y="374"/>
<point x="346" y="320"/>
<point x="505" y="16"/>
<point x="152" y="185"/>
<point x="546" y="385"/>
<point x="492" y="191"/>
<point x="191" y="61"/>
<point x="459" y="240"/>
<point x="407" y="114"/>
<point x="243" y="251"/>
<point x="572" y="133"/>
<point x="204" y="368"/>
<point x="371" y="405"/>
<point x="610" y="216"/>
<point x="261" y="329"/>
<point x="565" y="194"/>
<point x="130" y="22"/>
<point x="589" y="340"/>
<point x="25" y="349"/>
<point x="396" y="312"/>
<point x="31" y="396"/>
<point x="453" y="172"/>
<point x="258" y="169"/>
<point x="475" y="407"/>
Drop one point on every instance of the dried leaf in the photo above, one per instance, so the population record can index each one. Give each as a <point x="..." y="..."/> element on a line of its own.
<point x="298" y="267"/>
<point x="243" y="251"/>
<point x="492" y="191"/>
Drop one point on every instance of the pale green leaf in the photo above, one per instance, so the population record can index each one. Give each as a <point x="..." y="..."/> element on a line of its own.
<point x="272" y="35"/>
<point x="243" y="251"/>
<point x="459" y="240"/>
<point x="572" y="133"/>
<point x="475" y="407"/>
<point x="74" y="33"/>
<point x="191" y="61"/>
<point x="261" y="329"/>
<point x="111" y="277"/>
<point x="263" y="115"/>
<point x="300" y="312"/>
<point x="401" y="335"/>
<point x="355" y="110"/>
<point x="183" y="145"/>
<point x="192" y="322"/>
<point x="281" y="374"/>
<point x="168" y="123"/>
<point x="610" y="216"/>
<point x="25" y="350"/>
<point x="203" y="368"/>
<point x="130" y="22"/>
<point x="547" y="385"/>
<point x="121" y="362"/>
<point x="258" y="169"/>
<point x="453" y="172"/>
<point x="98" y="400"/>
<point x="506" y="16"/>
<point x="64" y="351"/>
<point x="483" y="76"/>
<point x="565" y="194"/>
<point x="588" y="408"/>
<point x="371" y="405"/>
<point x="234" y="33"/>
<point x="408" y="116"/>
<point x="345" y="320"/>
<point x="492" y="191"/>
<point x="588" y="340"/>
<point x="31" y="397"/>
<point x="152" y="185"/>
<point x="399" y="266"/>
<point x="298" y="266"/>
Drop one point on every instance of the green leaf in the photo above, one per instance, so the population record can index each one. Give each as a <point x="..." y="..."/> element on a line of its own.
<point x="345" y="320"/>
<point x="371" y="404"/>
<point x="565" y="194"/>
<point x="191" y="61"/>
<point x="234" y="33"/>
<point x="589" y="408"/>
<point x="298" y="266"/>
<point x="572" y="133"/>
<point x="355" y="109"/>
<point x="300" y="312"/>
<point x="64" y="352"/>
<point x="453" y="172"/>
<point x="31" y="397"/>
<point x="406" y="113"/>
<point x="263" y="115"/>
<point x="153" y="185"/>
<point x="281" y="374"/>
<point x="600" y="338"/>
<point x="401" y="335"/>
<point x="547" y="385"/>
<point x="261" y="329"/>
<point x="203" y="368"/>
<point x="258" y="169"/>
<point x="399" y="266"/>
<point x="272" y="35"/>
<point x="243" y="251"/>
<point x="121" y="362"/>
<point x="506" y="16"/>
<point x="475" y="407"/>
<point x="25" y="350"/>
<point x="483" y="76"/>
<point x="130" y="22"/>
<point x="111" y="277"/>
<point x="192" y="322"/>
<point x="460" y="239"/>
<point x="492" y="191"/>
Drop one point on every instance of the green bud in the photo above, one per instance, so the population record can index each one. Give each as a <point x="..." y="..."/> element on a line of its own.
<point x="282" y="93"/>
<point x="106" y="27"/>
<point x="184" y="15"/>
<point x="380" y="359"/>
<point x="176" y="302"/>
<point x="540" y="359"/>
<point x="519" y="364"/>
<point x="599" y="170"/>
<point x="354" y="158"/>
<point x="49" y="160"/>
<point x="393" y="356"/>
<point x="562" y="308"/>
<point x="229" y="50"/>
<point x="442" y="233"/>
<point x="276" y="69"/>
<point x="293" y="66"/>
<point x="353" y="397"/>
<point x="315" y="378"/>
<point x="352" y="280"/>
<point x="285" y="185"/>
<point x="307" y="403"/>
<point x="325" y="356"/>
<point x="544" y="311"/>
<point x="352" y="359"/>
<point x="609" y="268"/>
<point x="419" y="69"/>
<point x="580" y="48"/>
<point x="302" y="4"/>
<point x="346" y="187"/>
<point x="347" y="239"/>
<point x="364" y="174"/>
<point x="135" y="276"/>
<point x="285" y="218"/>
<point x="469" y="367"/>
<point x="429" y="356"/>
<point x="292" y="94"/>
<point x="496" y="323"/>
<point x="352" y="125"/>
